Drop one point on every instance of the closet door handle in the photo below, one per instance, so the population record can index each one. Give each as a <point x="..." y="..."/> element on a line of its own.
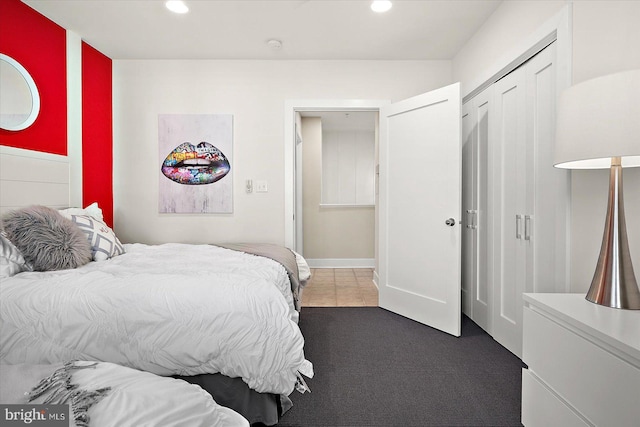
<point x="527" y="227"/>
<point x="518" y="226"/>
<point x="471" y="215"/>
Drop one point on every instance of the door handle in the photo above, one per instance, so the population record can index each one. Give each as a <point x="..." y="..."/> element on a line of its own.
<point x="450" y="222"/>
<point x="518" y="226"/>
<point x="472" y="218"/>
<point x="527" y="227"/>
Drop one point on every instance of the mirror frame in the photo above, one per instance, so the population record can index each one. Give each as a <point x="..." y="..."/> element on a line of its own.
<point x="35" y="95"/>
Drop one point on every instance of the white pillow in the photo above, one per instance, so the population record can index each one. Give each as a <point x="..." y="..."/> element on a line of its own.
<point x="11" y="259"/>
<point x="92" y="210"/>
<point x="104" y="243"/>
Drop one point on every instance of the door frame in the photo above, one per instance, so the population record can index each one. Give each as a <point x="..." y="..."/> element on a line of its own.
<point x="300" y="105"/>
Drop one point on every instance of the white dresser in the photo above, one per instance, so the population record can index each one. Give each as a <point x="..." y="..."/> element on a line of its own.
<point x="584" y="363"/>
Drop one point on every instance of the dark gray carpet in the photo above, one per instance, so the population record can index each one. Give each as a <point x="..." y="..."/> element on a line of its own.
<point x="375" y="368"/>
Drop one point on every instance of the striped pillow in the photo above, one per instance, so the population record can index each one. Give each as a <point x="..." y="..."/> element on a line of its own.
<point x="11" y="260"/>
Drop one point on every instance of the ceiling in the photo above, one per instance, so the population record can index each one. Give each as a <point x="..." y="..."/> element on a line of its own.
<point x="240" y="29"/>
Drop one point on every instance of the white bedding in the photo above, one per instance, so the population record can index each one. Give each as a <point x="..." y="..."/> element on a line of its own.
<point x="167" y="309"/>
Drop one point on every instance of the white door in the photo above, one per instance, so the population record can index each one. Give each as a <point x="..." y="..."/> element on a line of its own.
<point x="529" y="206"/>
<point x="420" y="201"/>
<point x="469" y="237"/>
<point x="476" y="292"/>
<point x="550" y="186"/>
<point x="509" y="174"/>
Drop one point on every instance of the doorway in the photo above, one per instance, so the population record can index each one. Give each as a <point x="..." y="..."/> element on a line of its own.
<point x="294" y="238"/>
<point x="336" y="172"/>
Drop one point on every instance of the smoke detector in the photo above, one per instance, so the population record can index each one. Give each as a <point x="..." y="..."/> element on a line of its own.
<point x="274" y="44"/>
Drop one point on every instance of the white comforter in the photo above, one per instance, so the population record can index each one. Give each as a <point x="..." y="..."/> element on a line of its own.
<point x="167" y="309"/>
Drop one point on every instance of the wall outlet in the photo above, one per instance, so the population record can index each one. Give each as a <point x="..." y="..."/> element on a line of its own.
<point x="249" y="186"/>
<point x="261" y="187"/>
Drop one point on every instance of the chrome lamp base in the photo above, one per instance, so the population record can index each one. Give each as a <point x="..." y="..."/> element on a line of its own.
<point x="614" y="283"/>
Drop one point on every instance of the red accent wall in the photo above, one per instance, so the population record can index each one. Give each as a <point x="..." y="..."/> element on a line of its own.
<point x="97" y="131"/>
<point x="39" y="45"/>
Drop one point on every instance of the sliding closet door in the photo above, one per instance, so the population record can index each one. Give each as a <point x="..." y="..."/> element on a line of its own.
<point x="509" y="176"/>
<point x="548" y="203"/>
<point x="469" y="243"/>
<point x="529" y="196"/>
<point x="475" y="286"/>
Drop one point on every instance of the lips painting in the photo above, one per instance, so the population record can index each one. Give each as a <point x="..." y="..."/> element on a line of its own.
<point x="195" y="165"/>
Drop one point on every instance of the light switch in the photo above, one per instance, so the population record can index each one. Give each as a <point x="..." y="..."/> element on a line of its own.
<point x="261" y="187"/>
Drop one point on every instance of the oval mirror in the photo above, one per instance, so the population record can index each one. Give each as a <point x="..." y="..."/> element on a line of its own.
<point x="20" y="101"/>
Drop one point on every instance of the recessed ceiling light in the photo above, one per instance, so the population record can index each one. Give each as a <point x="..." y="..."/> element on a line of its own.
<point x="381" y="6"/>
<point x="177" y="6"/>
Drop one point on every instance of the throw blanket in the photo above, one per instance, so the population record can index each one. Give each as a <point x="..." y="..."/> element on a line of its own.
<point x="105" y="395"/>
<point x="277" y="253"/>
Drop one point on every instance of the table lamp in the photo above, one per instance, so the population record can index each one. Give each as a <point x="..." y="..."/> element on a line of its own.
<point x="598" y="127"/>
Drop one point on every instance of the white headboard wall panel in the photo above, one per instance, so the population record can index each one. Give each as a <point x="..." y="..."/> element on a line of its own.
<point x="30" y="177"/>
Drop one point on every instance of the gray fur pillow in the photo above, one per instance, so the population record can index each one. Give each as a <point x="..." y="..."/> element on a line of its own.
<point x="47" y="240"/>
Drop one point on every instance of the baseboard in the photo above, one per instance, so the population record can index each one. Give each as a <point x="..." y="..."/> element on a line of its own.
<point x="341" y="262"/>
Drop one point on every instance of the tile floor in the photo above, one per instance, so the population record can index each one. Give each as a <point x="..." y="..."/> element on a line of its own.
<point x="340" y="287"/>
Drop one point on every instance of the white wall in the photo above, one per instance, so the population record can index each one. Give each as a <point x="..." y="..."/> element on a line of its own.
<point x="255" y="93"/>
<point x="605" y="38"/>
<point x="348" y="167"/>
<point x="510" y="24"/>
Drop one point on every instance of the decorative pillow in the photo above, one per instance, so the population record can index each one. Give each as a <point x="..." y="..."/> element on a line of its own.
<point x="92" y="210"/>
<point x="11" y="260"/>
<point x="104" y="243"/>
<point x="46" y="239"/>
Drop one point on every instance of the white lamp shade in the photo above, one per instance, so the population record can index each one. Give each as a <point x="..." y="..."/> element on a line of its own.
<point x="599" y="119"/>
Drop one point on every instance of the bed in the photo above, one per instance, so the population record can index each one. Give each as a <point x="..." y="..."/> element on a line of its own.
<point x="220" y="316"/>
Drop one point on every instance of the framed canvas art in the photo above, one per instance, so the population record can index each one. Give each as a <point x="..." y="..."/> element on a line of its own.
<point x="196" y="152"/>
